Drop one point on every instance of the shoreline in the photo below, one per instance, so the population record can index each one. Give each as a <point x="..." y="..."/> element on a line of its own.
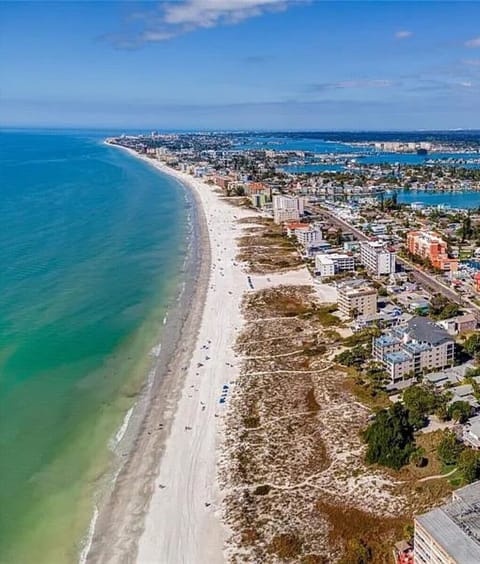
<point x="166" y="499"/>
<point x="129" y="496"/>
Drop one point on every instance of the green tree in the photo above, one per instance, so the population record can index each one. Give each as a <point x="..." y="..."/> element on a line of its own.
<point x="442" y="412"/>
<point x="390" y="438"/>
<point x="466" y="230"/>
<point x="472" y="344"/>
<point x="376" y="375"/>
<point x="460" y="411"/>
<point x="449" y="448"/>
<point x="353" y="357"/>
<point x="357" y="552"/>
<point x="450" y="310"/>
<point x="420" y="401"/>
<point x="469" y="465"/>
<point x="409" y="532"/>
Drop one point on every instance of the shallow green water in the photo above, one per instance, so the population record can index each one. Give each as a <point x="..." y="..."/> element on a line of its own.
<point x="91" y="251"/>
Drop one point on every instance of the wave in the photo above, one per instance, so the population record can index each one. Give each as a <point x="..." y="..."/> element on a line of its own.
<point x="88" y="538"/>
<point x="123" y="428"/>
<point x="155" y="351"/>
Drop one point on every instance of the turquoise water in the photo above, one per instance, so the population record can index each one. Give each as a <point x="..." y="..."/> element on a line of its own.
<point x="91" y="253"/>
<point x="452" y="199"/>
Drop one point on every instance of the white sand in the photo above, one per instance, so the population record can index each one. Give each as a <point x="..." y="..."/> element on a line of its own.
<point x="179" y="527"/>
<point x="300" y="276"/>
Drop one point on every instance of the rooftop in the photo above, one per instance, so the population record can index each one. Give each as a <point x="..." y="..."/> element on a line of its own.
<point x="426" y="331"/>
<point x="456" y="525"/>
<point x="397" y="357"/>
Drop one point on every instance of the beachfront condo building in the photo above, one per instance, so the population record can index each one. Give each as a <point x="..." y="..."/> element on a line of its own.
<point x="308" y="235"/>
<point x="356" y="297"/>
<point x="377" y="257"/>
<point x="417" y="347"/>
<point x="429" y="245"/>
<point x="327" y="265"/>
<point x="287" y="208"/>
<point x="450" y="534"/>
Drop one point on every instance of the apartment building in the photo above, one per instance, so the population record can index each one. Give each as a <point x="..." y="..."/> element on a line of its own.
<point x="429" y="245"/>
<point x="309" y="235"/>
<point x="222" y="182"/>
<point x="377" y="257"/>
<point x="260" y="194"/>
<point x="450" y="534"/>
<point x="356" y="297"/>
<point x="418" y="346"/>
<point x="287" y="208"/>
<point x="335" y="263"/>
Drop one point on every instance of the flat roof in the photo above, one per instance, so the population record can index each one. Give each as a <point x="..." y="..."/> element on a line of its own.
<point x="397" y="357"/>
<point x="457" y="534"/>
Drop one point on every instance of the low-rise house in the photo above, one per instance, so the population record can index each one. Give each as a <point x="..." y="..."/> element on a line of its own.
<point x="471" y="432"/>
<point x="460" y="324"/>
<point x="293" y="226"/>
<point x="222" y="182"/>
<point x="450" y="376"/>
<point x="260" y="194"/>
<point x="313" y="249"/>
<point x="351" y="246"/>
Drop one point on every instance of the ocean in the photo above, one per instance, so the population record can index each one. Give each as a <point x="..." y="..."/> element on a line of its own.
<point x="92" y="250"/>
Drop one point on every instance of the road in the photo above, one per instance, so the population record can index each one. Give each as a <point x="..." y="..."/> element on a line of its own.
<point x="423" y="278"/>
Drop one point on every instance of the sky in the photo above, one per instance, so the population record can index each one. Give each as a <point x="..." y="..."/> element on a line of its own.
<point x="240" y="64"/>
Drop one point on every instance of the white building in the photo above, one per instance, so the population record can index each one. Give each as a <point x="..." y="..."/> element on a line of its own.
<point x="450" y="534"/>
<point x="287" y="208"/>
<point x="377" y="257"/>
<point x="308" y="236"/>
<point x="329" y="265"/>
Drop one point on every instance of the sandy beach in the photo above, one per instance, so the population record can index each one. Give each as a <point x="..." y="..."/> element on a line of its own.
<point x="183" y="523"/>
<point x="166" y="506"/>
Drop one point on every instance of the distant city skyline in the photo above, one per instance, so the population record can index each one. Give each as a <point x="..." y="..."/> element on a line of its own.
<point x="241" y="64"/>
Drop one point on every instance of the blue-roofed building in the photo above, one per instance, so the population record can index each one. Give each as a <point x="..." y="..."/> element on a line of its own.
<point x="411" y="349"/>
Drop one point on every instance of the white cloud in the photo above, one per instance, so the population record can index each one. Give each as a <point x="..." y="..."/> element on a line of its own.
<point x="208" y="13"/>
<point x="351" y="84"/>
<point x="174" y="18"/>
<point x="472" y="43"/>
<point x="375" y="83"/>
<point x="403" y="34"/>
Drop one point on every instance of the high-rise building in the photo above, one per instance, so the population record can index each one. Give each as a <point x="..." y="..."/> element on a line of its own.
<point x="429" y="245"/>
<point x="287" y="208"/>
<point x="377" y="257"/>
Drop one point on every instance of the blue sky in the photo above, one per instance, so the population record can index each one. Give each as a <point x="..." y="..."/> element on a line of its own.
<point x="241" y="64"/>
